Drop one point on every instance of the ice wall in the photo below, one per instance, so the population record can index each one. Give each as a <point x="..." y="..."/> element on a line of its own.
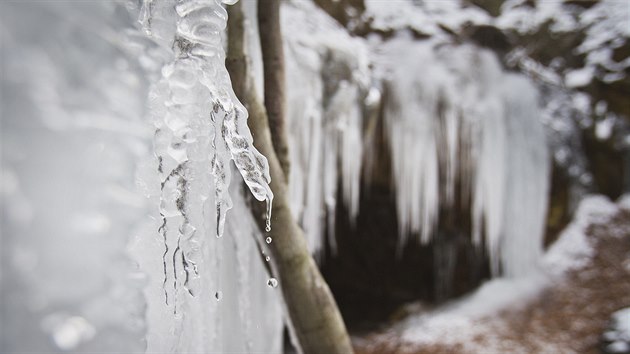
<point x="72" y="130"/>
<point x="327" y="80"/>
<point x="464" y="132"/>
<point x="103" y="220"/>
<point x="233" y="309"/>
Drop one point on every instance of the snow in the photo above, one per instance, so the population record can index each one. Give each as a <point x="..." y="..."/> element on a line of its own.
<point x="425" y="17"/>
<point x="462" y="321"/>
<point x="572" y="249"/>
<point x="604" y="128"/>
<point x="619" y="332"/>
<point x="618" y="347"/>
<point x="624" y="202"/>
<point x="579" y="78"/>
<point x="475" y="316"/>
<point x="621" y="319"/>
<point x="525" y="19"/>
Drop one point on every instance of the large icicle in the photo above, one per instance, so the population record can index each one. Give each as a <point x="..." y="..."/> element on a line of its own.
<point x="195" y="99"/>
<point x="200" y="126"/>
<point x="218" y="300"/>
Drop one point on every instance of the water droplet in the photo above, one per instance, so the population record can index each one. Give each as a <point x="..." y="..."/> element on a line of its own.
<point x="267" y="258"/>
<point x="272" y="282"/>
<point x="268" y="240"/>
<point x="218" y="295"/>
<point x="68" y="332"/>
<point x="268" y="216"/>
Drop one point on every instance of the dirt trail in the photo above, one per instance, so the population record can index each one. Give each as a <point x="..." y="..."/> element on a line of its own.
<point x="568" y="317"/>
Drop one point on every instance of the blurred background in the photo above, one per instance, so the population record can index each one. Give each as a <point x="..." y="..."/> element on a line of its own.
<point x="458" y="168"/>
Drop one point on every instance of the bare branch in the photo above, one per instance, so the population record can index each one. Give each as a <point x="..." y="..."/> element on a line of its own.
<point x="273" y="68"/>
<point x="316" y="322"/>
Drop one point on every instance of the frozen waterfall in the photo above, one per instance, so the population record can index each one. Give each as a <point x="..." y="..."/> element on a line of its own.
<point x="463" y="133"/>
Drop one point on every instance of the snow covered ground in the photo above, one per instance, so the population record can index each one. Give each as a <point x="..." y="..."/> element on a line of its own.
<point x="563" y="308"/>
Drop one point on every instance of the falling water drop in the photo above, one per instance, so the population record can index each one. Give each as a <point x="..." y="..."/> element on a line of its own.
<point x="272" y="282"/>
<point x="268" y="240"/>
<point x="268" y="219"/>
<point x="218" y="295"/>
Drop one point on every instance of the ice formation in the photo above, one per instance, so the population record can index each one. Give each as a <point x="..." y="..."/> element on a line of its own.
<point x="196" y="113"/>
<point x="461" y="131"/>
<point x="200" y="127"/>
<point x="327" y="80"/>
<point x="234" y="309"/>
<point x="84" y="267"/>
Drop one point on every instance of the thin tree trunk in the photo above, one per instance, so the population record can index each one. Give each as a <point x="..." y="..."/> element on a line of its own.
<point x="273" y="69"/>
<point x="316" y="324"/>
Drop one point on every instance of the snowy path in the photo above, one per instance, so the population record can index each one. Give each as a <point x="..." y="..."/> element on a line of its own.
<point x="567" y="315"/>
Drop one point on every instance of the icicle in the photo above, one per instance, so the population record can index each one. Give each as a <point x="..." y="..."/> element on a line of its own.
<point x="268" y="215"/>
<point x="200" y="127"/>
<point x="199" y="90"/>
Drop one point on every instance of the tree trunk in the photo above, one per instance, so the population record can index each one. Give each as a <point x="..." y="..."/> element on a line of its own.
<point x="316" y="325"/>
<point x="273" y="69"/>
